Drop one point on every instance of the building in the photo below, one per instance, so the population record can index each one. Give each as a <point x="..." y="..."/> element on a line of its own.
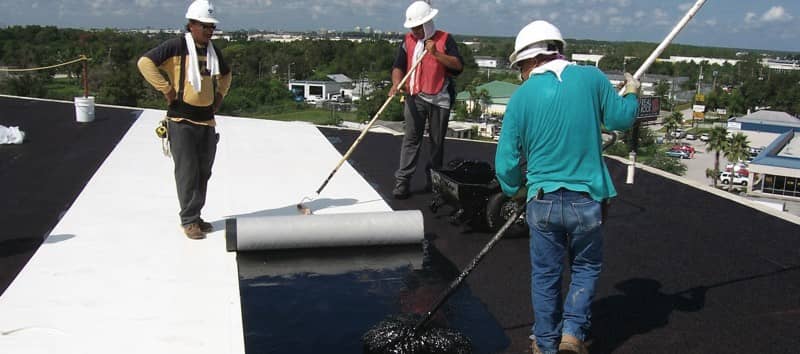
<point x="499" y="94"/>
<point x="587" y="58"/>
<point x="781" y="65"/>
<point x="486" y="62"/>
<point x="649" y="82"/>
<point x="314" y="91"/>
<point x="700" y="60"/>
<point x="776" y="169"/>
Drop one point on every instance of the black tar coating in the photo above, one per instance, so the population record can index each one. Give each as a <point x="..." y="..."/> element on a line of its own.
<point x="397" y="336"/>
<point x="658" y="229"/>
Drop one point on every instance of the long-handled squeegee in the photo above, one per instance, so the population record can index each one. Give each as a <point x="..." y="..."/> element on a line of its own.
<point x="651" y="59"/>
<point x="305" y="210"/>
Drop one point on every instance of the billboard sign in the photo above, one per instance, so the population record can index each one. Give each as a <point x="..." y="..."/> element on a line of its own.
<point x="649" y="108"/>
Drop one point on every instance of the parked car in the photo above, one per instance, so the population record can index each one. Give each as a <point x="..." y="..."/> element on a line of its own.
<point x="678" y="133"/>
<point x="684" y="147"/>
<point x="705" y="137"/>
<point x="690" y="136"/>
<point x="682" y="154"/>
<point x="739" y="168"/>
<point x="725" y="178"/>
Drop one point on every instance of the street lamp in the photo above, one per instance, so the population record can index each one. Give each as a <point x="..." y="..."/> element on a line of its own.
<point x="289" y="73"/>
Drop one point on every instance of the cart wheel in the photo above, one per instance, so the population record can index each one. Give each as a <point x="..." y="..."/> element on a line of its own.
<point x="436" y="202"/>
<point x="498" y="210"/>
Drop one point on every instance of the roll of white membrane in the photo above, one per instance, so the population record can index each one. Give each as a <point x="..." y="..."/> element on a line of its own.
<point x="327" y="230"/>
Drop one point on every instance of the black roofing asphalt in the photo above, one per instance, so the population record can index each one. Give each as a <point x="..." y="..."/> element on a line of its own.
<point x="685" y="271"/>
<point x="40" y="178"/>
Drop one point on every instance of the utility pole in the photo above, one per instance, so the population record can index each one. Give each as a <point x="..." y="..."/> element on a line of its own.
<point x="699" y="79"/>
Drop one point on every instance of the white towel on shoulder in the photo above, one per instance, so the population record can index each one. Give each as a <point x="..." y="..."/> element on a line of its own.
<point x="193" y="70"/>
<point x="556" y="66"/>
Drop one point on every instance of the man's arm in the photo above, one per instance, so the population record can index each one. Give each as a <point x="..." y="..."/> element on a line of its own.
<point x="619" y="112"/>
<point x="451" y="58"/>
<point x="398" y="70"/>
<point x="223" y="86"/>
<point x="508" y="156"/>
<point x="151" y="74"/>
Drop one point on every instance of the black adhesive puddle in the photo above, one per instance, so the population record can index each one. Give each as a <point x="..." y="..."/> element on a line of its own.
<point x="324" y="300"/>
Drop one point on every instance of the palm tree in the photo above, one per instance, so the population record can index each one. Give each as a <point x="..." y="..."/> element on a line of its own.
<point x="717" y="142"/>
<point x="736" y="150"/>
<point x="673" y="121"/>
<point x="484" y="99"/>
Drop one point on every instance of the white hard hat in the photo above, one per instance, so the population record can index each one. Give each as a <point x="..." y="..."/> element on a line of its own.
<point x="419" y="12"/>
<point x="534" y="39"/>
<point x="201" y="11"/>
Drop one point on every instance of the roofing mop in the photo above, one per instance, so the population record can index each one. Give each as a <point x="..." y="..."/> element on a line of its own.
<point x="116" y="274"/>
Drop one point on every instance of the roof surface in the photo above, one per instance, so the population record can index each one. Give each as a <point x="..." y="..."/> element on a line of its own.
<point x="766" y="116"/>
<point x="686" y="270"/>
<point x="496" y="89"/>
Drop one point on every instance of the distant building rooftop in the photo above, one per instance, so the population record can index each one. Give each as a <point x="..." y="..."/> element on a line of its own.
<point x="498" y="90"/>
<point x="770" y="117"/>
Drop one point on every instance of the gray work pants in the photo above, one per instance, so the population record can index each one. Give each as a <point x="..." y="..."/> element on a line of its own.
<point x="194" y="148"/>
<point x="416" y="113"/>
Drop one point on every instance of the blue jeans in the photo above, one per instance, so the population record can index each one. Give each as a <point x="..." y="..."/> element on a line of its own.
<point x="559" y="220"/>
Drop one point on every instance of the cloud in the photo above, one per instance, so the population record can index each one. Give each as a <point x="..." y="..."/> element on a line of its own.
<point x="776" y="14"/>
<point x="685" y="6"/>
<point x="750" y="17"/>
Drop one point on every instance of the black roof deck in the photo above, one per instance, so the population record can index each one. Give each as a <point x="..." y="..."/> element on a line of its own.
<point x="685" y="270"/>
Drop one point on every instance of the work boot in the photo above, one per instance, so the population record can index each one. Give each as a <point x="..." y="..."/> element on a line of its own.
<point x="193" y="231"/>
<point x="206" y="227"/>
<point x="400" y="190"/>
<point x="571" y="345"/>
<point x="535" y="348"/>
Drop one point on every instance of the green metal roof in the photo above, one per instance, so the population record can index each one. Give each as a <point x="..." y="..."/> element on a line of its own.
<point x="499" y="91"/>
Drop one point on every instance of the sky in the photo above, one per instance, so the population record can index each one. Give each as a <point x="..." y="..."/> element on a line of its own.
<point x="746" y="24"/>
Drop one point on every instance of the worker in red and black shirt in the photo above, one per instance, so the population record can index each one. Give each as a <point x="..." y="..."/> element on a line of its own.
<point x="430" y="89"/>
<point x="198" y="81"/>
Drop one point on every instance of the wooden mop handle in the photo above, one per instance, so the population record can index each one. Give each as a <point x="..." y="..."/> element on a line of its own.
<point x="369" y="125"/>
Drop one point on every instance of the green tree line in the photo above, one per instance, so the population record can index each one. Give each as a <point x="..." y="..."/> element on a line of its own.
<point x="261" y="69"/>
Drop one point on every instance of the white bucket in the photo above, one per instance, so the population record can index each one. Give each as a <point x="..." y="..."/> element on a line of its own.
<point x="84" y="109"/>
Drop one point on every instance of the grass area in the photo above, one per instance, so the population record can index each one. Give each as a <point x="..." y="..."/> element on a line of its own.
<point x="64" y="89"/>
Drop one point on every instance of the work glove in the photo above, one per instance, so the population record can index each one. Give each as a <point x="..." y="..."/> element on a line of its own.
<point x="631" y="85"/>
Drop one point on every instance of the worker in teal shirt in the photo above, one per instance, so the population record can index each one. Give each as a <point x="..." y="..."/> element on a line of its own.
<point x="553" y="125"/>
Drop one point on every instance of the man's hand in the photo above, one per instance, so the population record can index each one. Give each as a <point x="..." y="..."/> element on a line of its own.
<point x="395" y="90"/>
<point x="430" y="46"/>
<point x="631" y="85"/>
<point x="217" y="101"/>
<point x="171" y="96"/>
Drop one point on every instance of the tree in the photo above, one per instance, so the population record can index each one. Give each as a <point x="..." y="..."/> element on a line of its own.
<point x="717" y="143"/>
<point x="736" y="150"/>
<point x="672" y="122"/>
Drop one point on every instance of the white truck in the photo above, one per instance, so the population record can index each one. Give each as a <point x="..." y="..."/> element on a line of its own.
<point x="725" y="178"/>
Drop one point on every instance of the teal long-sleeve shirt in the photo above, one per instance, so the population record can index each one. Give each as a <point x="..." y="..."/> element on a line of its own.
<point x="556" y="127"/>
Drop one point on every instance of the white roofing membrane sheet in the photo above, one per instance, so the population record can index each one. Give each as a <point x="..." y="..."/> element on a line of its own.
<point x="117" y="275"/>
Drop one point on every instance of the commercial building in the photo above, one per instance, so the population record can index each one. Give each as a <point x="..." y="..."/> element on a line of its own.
<point x="499" y="92"/>
<point x="775" y="171"/>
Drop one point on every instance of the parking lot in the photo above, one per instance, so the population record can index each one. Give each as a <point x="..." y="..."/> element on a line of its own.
<point x="702" y="160"/>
